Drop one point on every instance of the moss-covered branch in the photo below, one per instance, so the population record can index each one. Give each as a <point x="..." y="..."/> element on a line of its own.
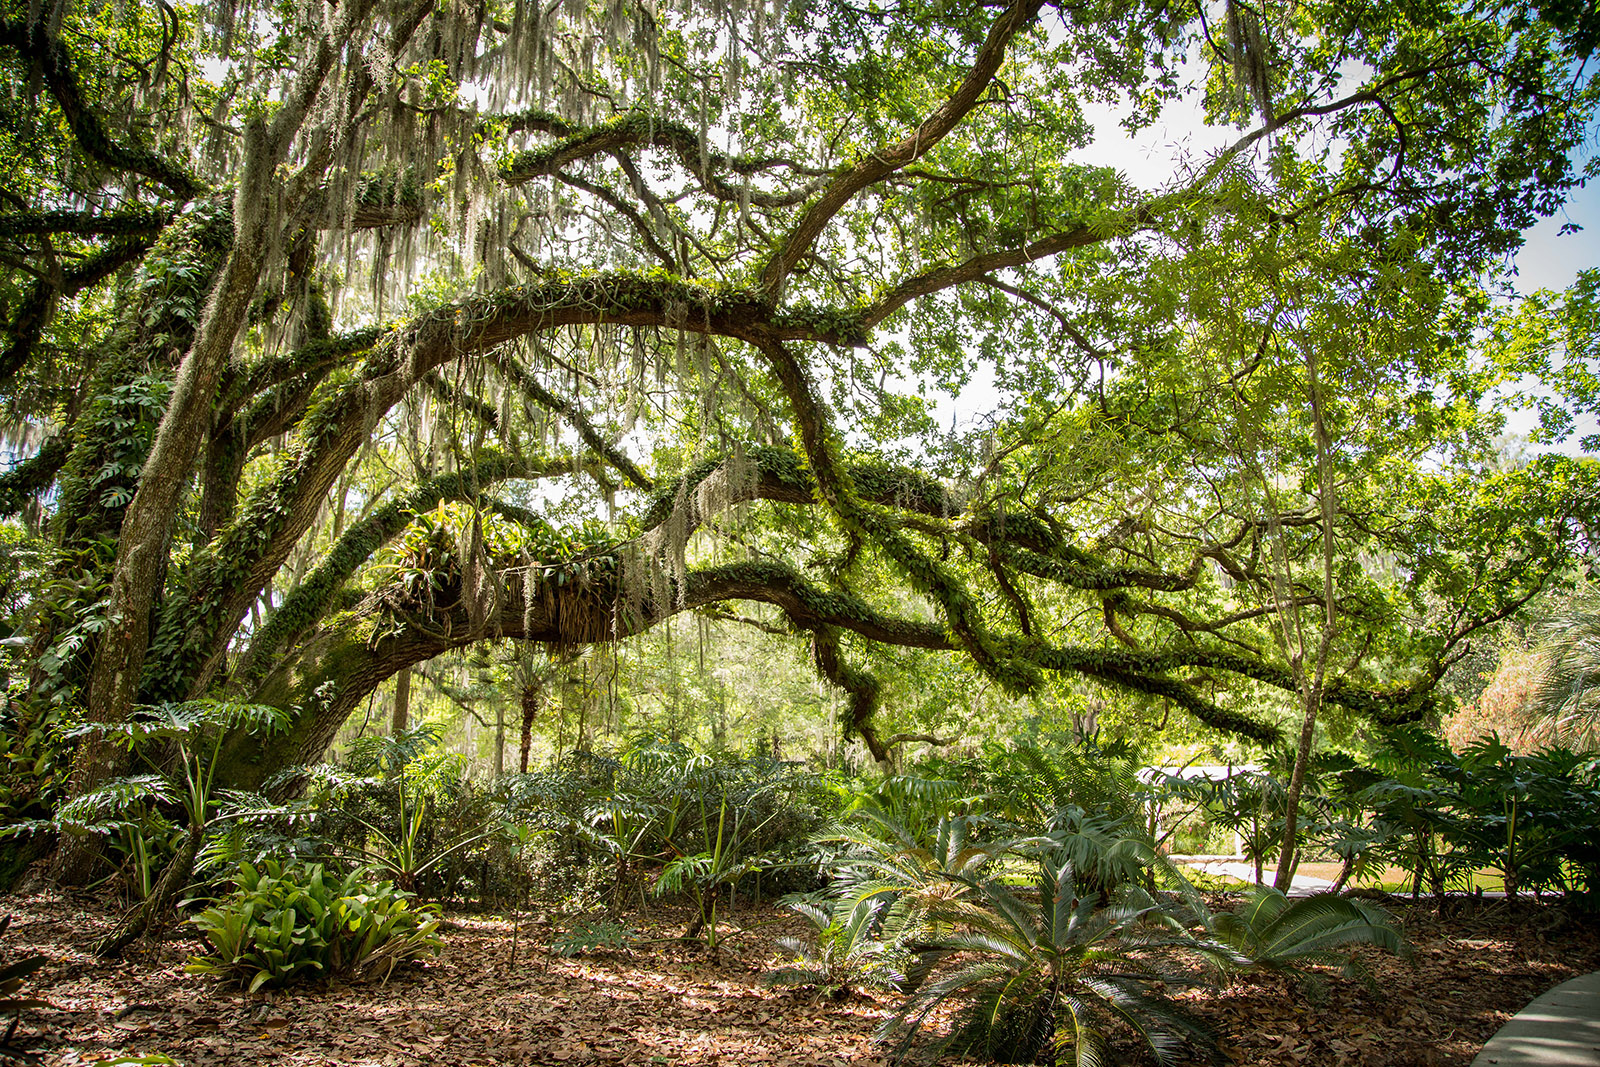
<point x="860" y="687"/>
<point x="453" y="396"/>
<point x="637" y="129"/>
<point x="946" y="276"/>
<point x="243" y="381"/>
<point x="308" y="602"/>
<point x="34" y="475"/>
<point x="641" y="226"/>
<point x="328" y="675"/>
<point x="54" y="61"/>
<point x="129" y="222"/>
<point x="780" y="475"/>
<point x="27" y="322"/>
<point x="927" y="576"/>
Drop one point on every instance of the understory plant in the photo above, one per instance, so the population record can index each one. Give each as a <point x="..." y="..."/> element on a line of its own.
<point x="285" y="921"/>
<point x="588" y="935"/>
<point x="1044" y="943"/>
<point x="163" y="816"/>
<point x="848" y="950"/>
<point x="381" y="808"/>
<point x="1274" y="932"/>
<point x="1445" y="815"/>
<point x="1044" y="975"/>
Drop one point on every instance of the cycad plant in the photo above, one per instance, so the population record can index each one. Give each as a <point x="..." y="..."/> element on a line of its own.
<point x="1277" y="933"/>
<point x="851" y="949"/>
<point x="1047" y="978"/>
<point x="1108" y="851"/>
<point x="917" y="803"/>
<point x="1567" y="699"/>
<point x="1031" y="783"/>
<point x="913" y="874"/>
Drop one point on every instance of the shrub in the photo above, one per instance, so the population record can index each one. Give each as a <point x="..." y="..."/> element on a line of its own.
<point x="284" y="921"/>
<point x="401" y="804"/>
<point x="705" y="821"/>
<point x="1530" y="816"/>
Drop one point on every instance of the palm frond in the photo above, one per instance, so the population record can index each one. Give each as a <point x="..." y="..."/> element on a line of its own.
<point x="1081" y="1033"/>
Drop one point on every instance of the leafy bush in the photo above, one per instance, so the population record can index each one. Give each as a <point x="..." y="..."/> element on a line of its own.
<point x="1531" y="816"/>
<point x="1443" y="814"/>
<point x="180" y="743"/>
<point x="401" y="804"/>
<point x="283" y="921"/>
<point x="709" y="822"/>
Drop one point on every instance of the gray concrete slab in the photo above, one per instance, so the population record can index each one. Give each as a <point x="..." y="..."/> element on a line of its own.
<point x="1301" y="885"/>
<point x="1559" y="1029"/>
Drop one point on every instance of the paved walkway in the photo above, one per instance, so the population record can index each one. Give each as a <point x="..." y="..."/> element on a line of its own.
<point x="1559" y="1029"/>
<point x="1302" y="885"/>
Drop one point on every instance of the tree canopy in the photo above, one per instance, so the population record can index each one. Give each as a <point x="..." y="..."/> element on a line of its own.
<point x="339" y="336"/>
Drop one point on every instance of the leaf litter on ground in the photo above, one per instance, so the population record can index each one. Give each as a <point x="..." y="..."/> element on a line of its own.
<point x="664" y="1001"/>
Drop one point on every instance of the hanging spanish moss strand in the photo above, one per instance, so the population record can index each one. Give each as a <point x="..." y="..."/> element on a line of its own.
<point x="1248" y="52"/>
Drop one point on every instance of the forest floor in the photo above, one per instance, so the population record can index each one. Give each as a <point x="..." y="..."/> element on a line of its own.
<point x="666" y="1003"/>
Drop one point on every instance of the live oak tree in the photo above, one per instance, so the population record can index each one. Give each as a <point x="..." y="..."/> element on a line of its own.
<point x="662" y="281"/>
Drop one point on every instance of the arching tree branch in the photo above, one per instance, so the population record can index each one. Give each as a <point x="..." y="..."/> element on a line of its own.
<point x="54" y="61"/>
<point x="878" y="165"/>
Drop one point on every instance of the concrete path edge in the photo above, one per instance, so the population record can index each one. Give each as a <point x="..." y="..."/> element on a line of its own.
<point x="1559" y="1029"/>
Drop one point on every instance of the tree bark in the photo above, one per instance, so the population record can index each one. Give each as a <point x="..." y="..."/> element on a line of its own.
<point x="260" y="201"/>
<point x="145" y="538"/>
<point x="499" y="739"/>
<point x="531" y="700"/>
<point x="159" y="904"/>
<point x="1312" y="688"/>
<point x="399" y="721"/>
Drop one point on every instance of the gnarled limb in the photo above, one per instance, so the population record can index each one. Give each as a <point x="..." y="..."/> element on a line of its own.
<point x="50" y="54"/>
<point x="876" y="166"/>
<point x="640" y="129"/>
<point x="34" y="475"/>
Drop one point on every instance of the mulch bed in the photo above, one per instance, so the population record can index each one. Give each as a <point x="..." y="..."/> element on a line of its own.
<point x="666" y="1003"/>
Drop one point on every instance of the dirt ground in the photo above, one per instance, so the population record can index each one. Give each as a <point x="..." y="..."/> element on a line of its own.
<point x="666" y="1003"/>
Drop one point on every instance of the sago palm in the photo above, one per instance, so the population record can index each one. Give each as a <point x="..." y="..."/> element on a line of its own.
<point x="1278" y="933"/>
<point x="1050" y="978"/>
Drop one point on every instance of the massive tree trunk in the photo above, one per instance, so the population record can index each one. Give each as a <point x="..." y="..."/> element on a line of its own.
<point x="262" y="201"/>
